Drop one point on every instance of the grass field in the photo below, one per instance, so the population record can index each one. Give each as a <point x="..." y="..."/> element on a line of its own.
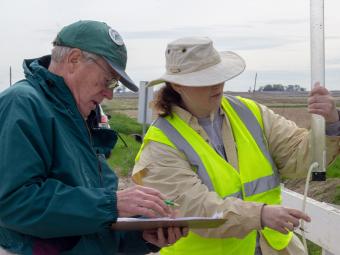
<point x="123" y="155"/>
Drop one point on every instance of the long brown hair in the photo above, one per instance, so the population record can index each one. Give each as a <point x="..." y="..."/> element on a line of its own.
<point x="165" y="98"/>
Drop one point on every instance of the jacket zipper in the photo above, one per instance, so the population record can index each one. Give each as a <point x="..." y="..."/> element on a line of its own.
<point x="98" y="160"/>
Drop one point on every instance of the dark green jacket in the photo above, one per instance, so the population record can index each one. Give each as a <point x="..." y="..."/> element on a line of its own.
<point x="55" y="191"/>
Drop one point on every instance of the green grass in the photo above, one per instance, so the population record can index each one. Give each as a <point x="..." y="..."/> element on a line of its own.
<point x="123" y="156"/>
<point x="124" y="124"/>
<point x="313" y="249"/>
<point x="336" y="199"/>
<point x="333" y="171"/>
<point x="118" y="104"/>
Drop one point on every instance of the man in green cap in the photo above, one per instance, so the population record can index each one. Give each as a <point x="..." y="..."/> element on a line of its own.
<point x="57" y="195"/>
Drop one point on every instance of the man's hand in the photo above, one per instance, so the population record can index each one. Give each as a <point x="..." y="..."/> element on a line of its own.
<point x="282" y="219"/>
<point x="161" y="239"/>
<point x="321" y="102"/>
<point x="144" y="201"/>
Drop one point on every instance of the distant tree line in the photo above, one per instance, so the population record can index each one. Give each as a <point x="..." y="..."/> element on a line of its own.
<point x="280" y="87"/>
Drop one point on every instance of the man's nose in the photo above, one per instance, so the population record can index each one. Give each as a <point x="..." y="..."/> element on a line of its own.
<point x="108" y="94"/>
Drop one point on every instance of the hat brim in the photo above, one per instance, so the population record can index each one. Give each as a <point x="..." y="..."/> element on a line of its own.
<point x="231" y="65"/>
<point x="124" y="78"/>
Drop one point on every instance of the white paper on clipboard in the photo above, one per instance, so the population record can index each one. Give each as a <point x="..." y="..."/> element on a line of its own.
<point x="152" y="223"/>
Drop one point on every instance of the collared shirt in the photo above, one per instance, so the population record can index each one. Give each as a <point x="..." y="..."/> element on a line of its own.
<point x="213" y="127"/>
<point x="168" y="170"/>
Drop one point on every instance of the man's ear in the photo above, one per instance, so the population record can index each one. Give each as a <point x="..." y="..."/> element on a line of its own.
<point x="73" y="60"/>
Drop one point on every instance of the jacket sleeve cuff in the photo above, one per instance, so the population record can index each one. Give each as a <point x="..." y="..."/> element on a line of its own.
<point x="132" y="242"/>
<point x="262" y="224"/>
<point x="152" y="248"/>
<point x="333" y="129"/>
<point x="251" y="213"/>
<point x="258" y="214"/>
<point x="112" y="204"/>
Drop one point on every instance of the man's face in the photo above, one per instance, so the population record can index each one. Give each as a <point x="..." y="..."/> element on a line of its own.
<point x="89" y="84"/>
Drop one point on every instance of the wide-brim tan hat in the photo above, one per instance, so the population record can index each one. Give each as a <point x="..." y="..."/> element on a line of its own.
<point x="194" y="62"/>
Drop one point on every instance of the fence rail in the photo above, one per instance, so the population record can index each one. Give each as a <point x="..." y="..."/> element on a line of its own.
<point x="324" y="230"/>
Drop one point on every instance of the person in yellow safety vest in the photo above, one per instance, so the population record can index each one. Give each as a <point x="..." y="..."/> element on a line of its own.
<point x="215" y="154"/>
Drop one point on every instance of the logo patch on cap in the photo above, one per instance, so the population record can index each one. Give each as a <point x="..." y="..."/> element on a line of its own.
<point x="116" y="38"/>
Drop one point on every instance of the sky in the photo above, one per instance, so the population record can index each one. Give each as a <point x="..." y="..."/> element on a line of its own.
<point x="271" y="35"/>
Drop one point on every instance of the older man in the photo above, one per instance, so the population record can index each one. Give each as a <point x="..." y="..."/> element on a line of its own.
<point x="57" y="196"/>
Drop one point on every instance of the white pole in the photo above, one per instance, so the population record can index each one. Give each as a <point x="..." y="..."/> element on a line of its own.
<point x="318" y="75"/>
<point x="145" y="96"/>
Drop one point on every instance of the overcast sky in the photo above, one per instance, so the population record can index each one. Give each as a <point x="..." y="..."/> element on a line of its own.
<point x="271" y="35"/>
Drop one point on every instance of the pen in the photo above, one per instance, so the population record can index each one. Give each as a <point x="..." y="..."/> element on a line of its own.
<point x="170" y="202"/>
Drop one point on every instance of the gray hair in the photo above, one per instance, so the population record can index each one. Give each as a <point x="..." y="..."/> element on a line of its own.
<point x="59" y="53"/>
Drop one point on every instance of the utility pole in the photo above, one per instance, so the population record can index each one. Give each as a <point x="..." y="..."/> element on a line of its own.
<point x="10" y="76"/>
<point x="255" y="83"/>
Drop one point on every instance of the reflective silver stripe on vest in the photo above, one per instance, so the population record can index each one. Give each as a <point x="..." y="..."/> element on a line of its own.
<point x="261" y="185"/>
<point x="236" y="195"/>
<point x="268" y="182"/>
<point x="182" y="145"/>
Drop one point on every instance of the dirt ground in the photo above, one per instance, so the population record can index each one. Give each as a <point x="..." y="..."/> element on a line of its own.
<point x="321" y="191"/>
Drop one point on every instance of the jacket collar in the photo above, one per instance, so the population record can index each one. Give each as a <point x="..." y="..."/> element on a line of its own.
<point x="36" y="71"/>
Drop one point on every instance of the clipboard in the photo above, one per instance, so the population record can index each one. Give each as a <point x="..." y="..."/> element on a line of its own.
<point x="152" y="223"/>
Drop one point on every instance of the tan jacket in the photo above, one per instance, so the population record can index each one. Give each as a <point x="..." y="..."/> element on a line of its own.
<point x="168" y="170"/>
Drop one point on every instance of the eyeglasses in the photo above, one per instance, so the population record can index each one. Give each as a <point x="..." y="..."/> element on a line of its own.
<point x="110" y="84"/>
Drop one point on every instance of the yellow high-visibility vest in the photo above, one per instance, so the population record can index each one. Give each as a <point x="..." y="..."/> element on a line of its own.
<point x="257" y="179"/>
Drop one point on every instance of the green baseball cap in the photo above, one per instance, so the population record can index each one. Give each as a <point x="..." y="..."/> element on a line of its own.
<point x="98" y="38"/>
